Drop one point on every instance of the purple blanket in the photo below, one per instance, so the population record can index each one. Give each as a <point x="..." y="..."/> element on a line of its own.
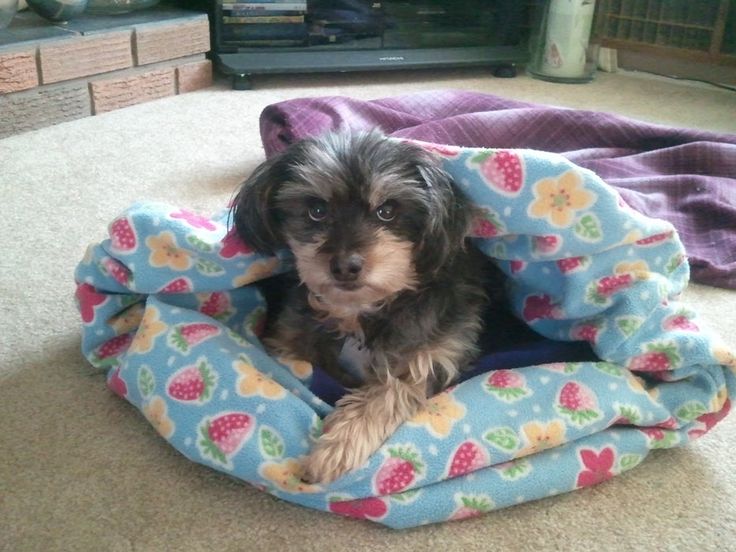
<point x="685" y="176"/>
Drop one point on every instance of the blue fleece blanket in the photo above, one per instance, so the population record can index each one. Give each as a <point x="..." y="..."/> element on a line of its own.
<point x="169" y="311"/>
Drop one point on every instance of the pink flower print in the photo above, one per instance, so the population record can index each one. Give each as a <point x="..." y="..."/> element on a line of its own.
<point x="232" y="245"/>
<point x="194" y="220"/>
<point x="88" y="299"/>
<point x="117" y="385"/>
<point x="363" y="508"/>
<point x="598" y="466"/>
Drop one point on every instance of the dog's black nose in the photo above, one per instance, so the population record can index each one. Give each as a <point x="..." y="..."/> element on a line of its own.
<point x="346" y="268"/>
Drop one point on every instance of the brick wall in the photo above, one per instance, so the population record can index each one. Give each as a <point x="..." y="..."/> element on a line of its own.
<point x="60" y="79"/>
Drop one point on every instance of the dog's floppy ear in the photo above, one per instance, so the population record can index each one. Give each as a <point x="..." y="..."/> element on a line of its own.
<point x="450" y="216"/>
<point x="253" y="211"/>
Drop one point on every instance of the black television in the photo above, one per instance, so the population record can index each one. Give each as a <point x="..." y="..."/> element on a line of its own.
<point x="253" y="37"/>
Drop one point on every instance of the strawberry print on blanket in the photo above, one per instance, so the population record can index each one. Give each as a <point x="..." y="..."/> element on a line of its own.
<point x="169" y="311"/>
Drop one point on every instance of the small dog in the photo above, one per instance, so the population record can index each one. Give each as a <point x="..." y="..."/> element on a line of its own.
<point x="378" y="231"/>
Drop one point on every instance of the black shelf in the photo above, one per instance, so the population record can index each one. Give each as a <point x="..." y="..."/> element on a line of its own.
<point x="244" y="64"/>
<point x="408" y="34"/>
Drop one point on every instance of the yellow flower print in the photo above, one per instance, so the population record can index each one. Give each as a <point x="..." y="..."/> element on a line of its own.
<point x="89" y="254"/>
<point x="155" y="412"/>
<point x="440" y="414"/>
<point x="638" y="385"/>
<point x="541" y="436"/>
<point x="631" y="237"/>
<point x="558" y="199"/>
<point x="128" y="320"/>
<point x="717" y="402"/>
<point x="725" y="356"/>
<point x="300" y="368"/>
<point x="166" y="252"/>
<point x="257" y="271"/>
<point x="286" y="475"/>
<point x="150" y="328"/>
<point x="640" y="269"/>
<point x="252" y="382"/>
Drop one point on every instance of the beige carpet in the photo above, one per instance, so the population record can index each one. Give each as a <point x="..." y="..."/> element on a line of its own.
<point x="81" y="470"/>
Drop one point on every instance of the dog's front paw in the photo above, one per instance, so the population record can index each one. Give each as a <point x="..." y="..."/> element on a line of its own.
<point x="358" y="426"/>
<point x="324" y="465"/>
<point x="345" y="447"/>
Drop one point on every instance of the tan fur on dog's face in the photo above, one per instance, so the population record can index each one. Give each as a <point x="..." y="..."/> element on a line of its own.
<point x="378" y="201"/>
<point x="353" y="179"/>
<point x="388" y="270"/>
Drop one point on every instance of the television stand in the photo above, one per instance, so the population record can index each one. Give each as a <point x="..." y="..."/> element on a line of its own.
<point x="505" y="71"/>
<point x="366" y="35"/>
<point x="241" y="66"/>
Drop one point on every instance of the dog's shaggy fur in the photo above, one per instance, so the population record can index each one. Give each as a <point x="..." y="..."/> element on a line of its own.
<point x="378" y="232"/>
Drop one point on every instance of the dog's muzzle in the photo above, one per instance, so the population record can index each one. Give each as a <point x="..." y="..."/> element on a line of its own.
<point x="346" y="269"/>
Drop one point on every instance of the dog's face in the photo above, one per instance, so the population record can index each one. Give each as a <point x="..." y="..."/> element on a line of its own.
<point x="366" y="217"/>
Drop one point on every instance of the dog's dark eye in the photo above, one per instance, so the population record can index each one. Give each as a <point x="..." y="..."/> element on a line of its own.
<point x="317" y="210"/>
<point x="387" y="211"/>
